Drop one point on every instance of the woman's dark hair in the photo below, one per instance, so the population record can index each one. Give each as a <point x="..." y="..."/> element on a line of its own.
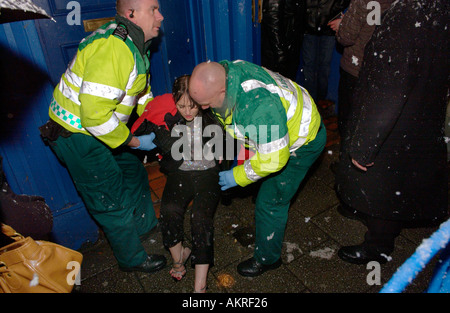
<point x="181" y="87"/>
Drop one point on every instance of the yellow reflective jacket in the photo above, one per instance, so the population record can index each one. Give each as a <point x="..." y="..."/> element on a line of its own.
<point x="106" y="79"/>
<point x="270" y="112"/>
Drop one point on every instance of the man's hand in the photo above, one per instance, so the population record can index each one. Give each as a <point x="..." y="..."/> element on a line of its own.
<point x="334" y="24"/>
<point x="226" y="179"/>
<point x="362" y="168"/>
<point x="146" y="142"/>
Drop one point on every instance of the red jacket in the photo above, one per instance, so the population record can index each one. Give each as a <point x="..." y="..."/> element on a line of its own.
<point x="156" y="110"/>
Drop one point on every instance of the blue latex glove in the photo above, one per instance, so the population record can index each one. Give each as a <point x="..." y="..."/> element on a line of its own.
<point x="146" y="142"/>
<point x="226" y="180"/>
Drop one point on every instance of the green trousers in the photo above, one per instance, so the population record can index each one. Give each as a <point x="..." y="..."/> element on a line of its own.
<point x="275" y="195"/>
<point x="114" y="187"/>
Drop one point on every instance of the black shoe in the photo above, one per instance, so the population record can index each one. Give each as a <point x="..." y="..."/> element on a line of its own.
<point x="363" y="254"/>
<point x="154" y="263"/>
<point x="251" y="267"/>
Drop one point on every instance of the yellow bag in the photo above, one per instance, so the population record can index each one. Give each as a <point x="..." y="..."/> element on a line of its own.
<point x="29" y="266"/>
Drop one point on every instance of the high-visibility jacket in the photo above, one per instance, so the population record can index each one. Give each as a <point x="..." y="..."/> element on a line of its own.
<point x="274" y="115"/>
<point x="100" y="88"/>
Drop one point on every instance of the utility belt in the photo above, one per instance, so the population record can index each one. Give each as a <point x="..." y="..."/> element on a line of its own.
<point x="51" y="131"/>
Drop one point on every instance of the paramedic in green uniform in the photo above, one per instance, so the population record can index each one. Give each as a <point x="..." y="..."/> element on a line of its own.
<point x="279" y="120"/>
<point x="107" y="79"/>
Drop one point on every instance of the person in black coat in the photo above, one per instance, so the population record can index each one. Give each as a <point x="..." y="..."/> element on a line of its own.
<point x="395" y="171"/>
<point x="282" y="28"/>
<point x="318" y="45"/>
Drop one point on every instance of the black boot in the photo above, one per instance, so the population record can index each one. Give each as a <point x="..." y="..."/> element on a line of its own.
<point x="378" y="243"/>
<point x="252" y="268"/>
<point x="153" y="263"/>
<point x="363" y="254"/>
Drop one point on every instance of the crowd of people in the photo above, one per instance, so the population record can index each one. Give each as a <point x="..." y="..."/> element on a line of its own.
<point x="393" y="96"/>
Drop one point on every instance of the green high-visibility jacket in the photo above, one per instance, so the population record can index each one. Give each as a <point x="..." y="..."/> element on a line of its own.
<point x="107" y="78"/>
<point x="274" y="115"/>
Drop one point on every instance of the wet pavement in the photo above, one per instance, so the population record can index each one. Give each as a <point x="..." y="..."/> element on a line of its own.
<point x="315" y="232"/>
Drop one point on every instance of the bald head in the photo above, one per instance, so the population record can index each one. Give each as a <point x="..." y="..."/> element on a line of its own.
<point x="207" y="85"/>
<point x="122" y="6"/>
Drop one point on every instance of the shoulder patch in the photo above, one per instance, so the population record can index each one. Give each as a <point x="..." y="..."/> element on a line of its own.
<point x="121" y="32"/>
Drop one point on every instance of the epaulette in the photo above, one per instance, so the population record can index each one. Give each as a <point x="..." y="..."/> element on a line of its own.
<point x="121" y="32"/>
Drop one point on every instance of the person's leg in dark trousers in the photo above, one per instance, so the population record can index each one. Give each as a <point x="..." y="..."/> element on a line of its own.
<point x="275" y="195"/>
<point x="207" y="195"/>
<point x="381" y="234"/>
<point x="176" y="196"/>
<point x="107" y="196"/>
<point x="310" y="67"/>
<point x="325" y="53"/>
<point x="378" y="244"/>
<point x="181" y="187"/>
<point x="136" y="179"/>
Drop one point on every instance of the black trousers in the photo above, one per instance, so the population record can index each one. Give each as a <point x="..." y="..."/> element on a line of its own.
<point x="381" y="234"/>
<point x="182" y="187"/>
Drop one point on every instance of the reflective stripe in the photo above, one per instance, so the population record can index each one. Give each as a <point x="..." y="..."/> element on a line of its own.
<point x="65" y="116"/>
<point x="251" y="174"/>
<point x="133" y="75"/>
<point x="105" y="128"/>
<point x="128" y="101"/>
<point x="274" y="146"/>
<point x="122" y="117"/>
<point x="264" y="148"/>
<point x="71" y="76"/>
<point x="252" y="84"/>
<point x="104" y="91"/>
<point x="100" y="31"/>
<point x="290" y="94"/>
<point x="306" y="121"/>
<point x="68" y="92"/>
<point x="145" y="98"/>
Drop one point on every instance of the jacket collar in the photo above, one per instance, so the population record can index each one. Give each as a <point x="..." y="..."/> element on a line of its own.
<point x="136" y="34"/>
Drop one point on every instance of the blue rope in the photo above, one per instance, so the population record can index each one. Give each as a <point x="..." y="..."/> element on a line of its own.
<point x="423" y="254"/>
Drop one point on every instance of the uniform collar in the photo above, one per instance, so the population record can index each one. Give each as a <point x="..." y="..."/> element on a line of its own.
<point x="136" y="33"/>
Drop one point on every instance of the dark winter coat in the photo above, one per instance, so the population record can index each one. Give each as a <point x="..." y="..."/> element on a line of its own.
<point x="399" y="115"/>
<point x="281" y="35"/>
<point x="320" y="12"/>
